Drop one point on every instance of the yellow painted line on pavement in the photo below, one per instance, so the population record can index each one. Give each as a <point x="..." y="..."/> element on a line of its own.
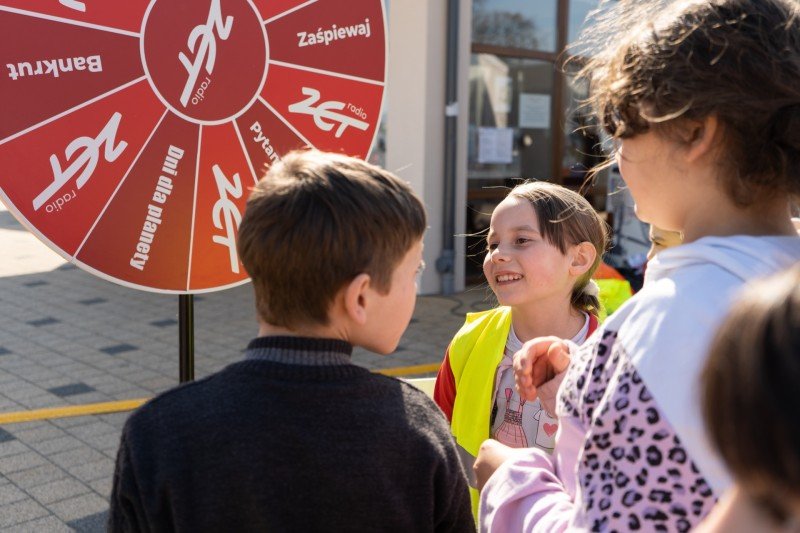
<point x="72" y="410"/>
<point x="130" y="405"/>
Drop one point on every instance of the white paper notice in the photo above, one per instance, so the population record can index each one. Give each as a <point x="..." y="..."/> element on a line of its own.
<point x="495" y="145"/>
<point x="501" y="96"/>
<point x="534" y="111"/>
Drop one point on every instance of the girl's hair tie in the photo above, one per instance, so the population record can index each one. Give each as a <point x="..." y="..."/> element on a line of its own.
<point x="592" y="288"/>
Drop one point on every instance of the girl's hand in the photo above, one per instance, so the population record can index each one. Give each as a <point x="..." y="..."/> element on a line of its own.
<point x="538" y="362"/>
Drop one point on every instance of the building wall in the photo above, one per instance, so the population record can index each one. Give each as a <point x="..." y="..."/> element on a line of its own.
<point x="416" y="117"/>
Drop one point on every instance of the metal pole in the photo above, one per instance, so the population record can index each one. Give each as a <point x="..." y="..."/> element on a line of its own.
<point x="186" y="336"/>
<point x="445" y="264"/>
<point x="559" y="98"/>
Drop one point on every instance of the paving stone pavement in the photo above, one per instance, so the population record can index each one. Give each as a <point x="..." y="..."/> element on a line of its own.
<point x="69" y="338"/>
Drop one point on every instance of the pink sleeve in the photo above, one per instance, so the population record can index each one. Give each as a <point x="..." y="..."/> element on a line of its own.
<point x="525" y="494"/>
<point x="618" y="463"/>
<point x="535" y="491"/>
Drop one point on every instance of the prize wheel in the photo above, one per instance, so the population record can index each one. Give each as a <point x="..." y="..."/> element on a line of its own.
<point x="132" y="131"/>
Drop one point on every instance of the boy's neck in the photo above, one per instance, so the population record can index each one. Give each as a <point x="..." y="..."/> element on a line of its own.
<point x="315" y="331"/>
<point x="546" y="318"/>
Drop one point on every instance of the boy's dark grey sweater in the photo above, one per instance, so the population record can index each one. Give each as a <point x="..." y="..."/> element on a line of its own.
<point x="294" y="438"/>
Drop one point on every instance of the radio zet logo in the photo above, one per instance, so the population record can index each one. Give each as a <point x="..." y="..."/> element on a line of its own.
<point x="207" y="63"/>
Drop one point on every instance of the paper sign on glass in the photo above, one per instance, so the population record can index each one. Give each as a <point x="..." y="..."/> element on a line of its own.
<point x="534" y="111"/>
<point x="495" y="145"/>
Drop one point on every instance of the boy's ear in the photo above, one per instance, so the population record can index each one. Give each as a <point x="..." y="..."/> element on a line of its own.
<point x="583" y="256"/>
<point x="700" y="136"/>
<point x="355" y="298"/>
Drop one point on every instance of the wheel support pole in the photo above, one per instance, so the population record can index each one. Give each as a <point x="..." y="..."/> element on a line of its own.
<point x="186" y="336"/>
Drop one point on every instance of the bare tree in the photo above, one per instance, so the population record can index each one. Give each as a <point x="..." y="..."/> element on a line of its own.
<point x="502" y="28"/>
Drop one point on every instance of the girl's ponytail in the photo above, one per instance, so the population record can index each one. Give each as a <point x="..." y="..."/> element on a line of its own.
<point x="586" y="297"/>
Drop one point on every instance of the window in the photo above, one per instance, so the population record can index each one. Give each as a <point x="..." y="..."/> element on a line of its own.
<point x="518" y="99"/>
<point x="509" y="127"/>
<point x="515" y="24"/>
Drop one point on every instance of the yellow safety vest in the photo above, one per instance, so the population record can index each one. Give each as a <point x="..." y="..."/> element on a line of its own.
<point x="614" y="289"/>
<point x="613" y="293"/>
<point x="474" y="354"/>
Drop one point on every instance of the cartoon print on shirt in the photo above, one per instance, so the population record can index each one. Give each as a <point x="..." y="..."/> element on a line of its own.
<point x="521" y="424"/>
<point x="546" y="430"/>
<point x="510" y="431"/>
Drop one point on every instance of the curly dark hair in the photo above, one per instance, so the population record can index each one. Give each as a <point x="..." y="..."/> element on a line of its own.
<point x="660" y="63"/>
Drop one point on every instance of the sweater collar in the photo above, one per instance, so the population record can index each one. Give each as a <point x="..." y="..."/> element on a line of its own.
<point x="300" y="351"/>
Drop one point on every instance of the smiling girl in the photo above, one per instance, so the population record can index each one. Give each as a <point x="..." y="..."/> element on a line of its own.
<point x="544" y="244"/>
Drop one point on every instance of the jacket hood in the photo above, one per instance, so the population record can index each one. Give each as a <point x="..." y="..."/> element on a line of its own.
<point x="743" y="256"/>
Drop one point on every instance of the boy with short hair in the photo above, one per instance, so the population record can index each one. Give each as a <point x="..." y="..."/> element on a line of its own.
<point x="295" y="437"/>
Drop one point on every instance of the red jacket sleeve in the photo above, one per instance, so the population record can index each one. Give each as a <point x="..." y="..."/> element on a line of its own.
<point x="444" y="391"/>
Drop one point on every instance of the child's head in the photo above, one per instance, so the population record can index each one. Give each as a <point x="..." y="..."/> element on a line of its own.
<point x="544" y="240"/>
<point x="750" y="401"/>
<point x="666" y="70"/>
<point x="318" y="223"/>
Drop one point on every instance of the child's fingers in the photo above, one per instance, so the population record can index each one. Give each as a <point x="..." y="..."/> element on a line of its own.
<point x="525" y="358"/>
<point x="524" y="386"/>
<point x="532" y="350"/>
<point x="523" y="376"/>
<point x="526" y="383"/>
<point x="558" y="356"/>
<point x="530" y="365"/>
<point x="539" y="371"/>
